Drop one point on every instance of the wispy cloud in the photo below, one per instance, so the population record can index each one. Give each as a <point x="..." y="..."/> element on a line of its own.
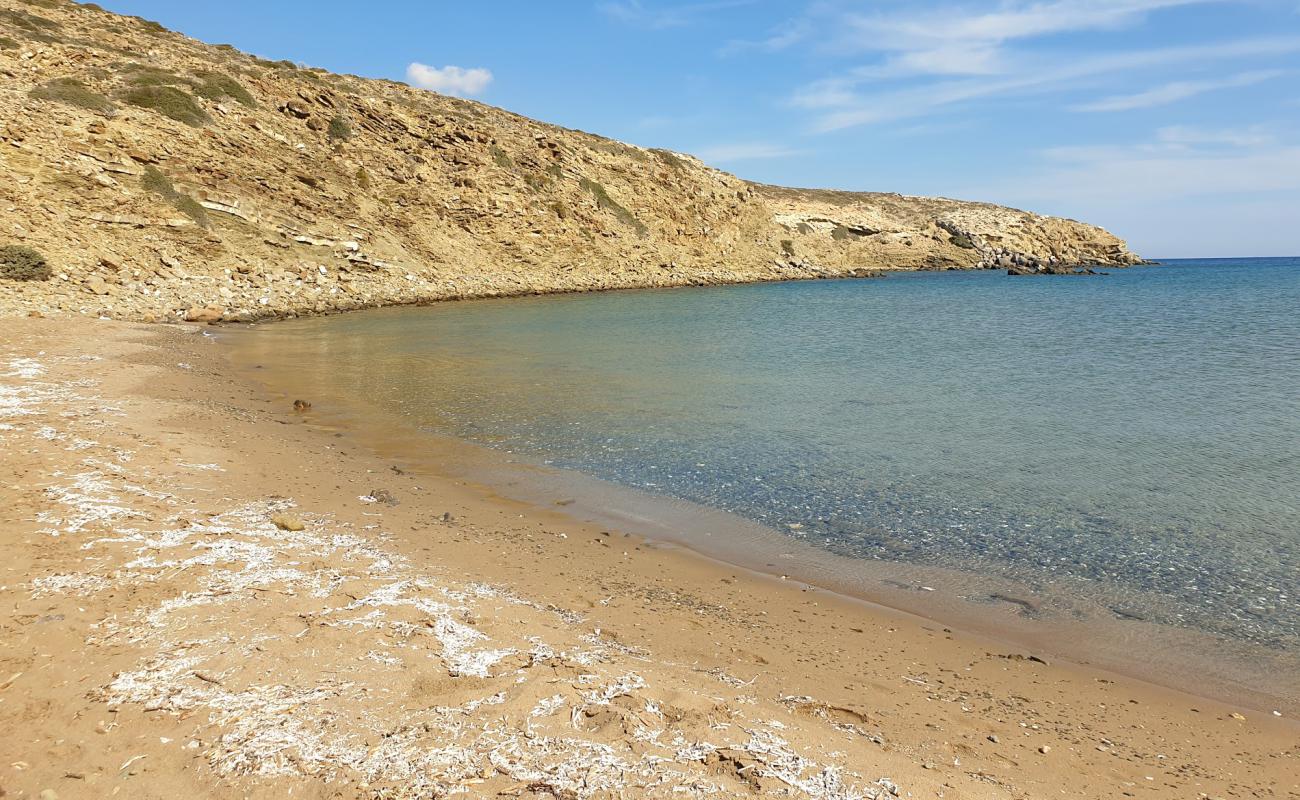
<point x="1176" y="162"/>
<point x="744" y="151"/>
<point x="917" y="58"/>
<point x="782" y="37"/>
<point x="843" y="103"/>
<point x="1217" y="183"/>
<point x="659" y="16"/>
<point x="1177" y="90"/>
<point x="449" y="79"/>
<point x="917" y="39"/>
<point x="1229" y="137"/>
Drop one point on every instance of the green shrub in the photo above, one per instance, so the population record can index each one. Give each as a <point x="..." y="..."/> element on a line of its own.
<point x="150" y="26"/>
<point x="213" y="86"/>
<point x="670" y="158"/>
<point x="158" y="183"/>
<point x="537" y="181"/>
<point x="963" y="241"/>
<point x="363" y="178"/>
<point x="73" y="92"/>
<point x="787" y="247"/>
<point x="31" y="25"/>
<point x="29" y="22"/>
<point x="168" y="101"/>
<point x="142" y="75"/>
<point x="340" y="129"/>
<point x="500" y="158"/>
<point x="43" y="3"/>
<point x="218" y="86"/>
<point x="607" y="203"/>
<point x="21" y="263"/>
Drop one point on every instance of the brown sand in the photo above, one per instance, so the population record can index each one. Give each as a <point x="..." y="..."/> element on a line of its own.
<point x="207" y="596"/>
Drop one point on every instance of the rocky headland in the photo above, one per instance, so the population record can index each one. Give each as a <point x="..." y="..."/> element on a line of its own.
<point x="151" y="176"/>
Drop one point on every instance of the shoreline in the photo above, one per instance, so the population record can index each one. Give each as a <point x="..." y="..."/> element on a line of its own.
<point x="1057" y="623"/>
<point x="867" y="698"/>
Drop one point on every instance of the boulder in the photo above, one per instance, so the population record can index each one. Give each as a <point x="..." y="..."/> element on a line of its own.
<point x="204" y="314"/>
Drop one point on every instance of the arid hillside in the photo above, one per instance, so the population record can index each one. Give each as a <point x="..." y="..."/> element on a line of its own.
<point x="152" y="176"/>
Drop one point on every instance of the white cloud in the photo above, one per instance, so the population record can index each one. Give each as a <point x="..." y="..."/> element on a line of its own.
<point x="1175" y="91"/>
<point x="786" y="35"/>
<point x="843" y="105"/>
<point x="1153" y="171"/>
<point x="744" y="151"/>
<point x="949" y="40"/>
<point x="1013" y="20"/>
<point x="658" y="16"/>
<point x="448" y="80"/>
<point x="1233" y="137"/>
<point x="1186" y="191"/>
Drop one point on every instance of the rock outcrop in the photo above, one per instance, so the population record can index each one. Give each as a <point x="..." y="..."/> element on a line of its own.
<point x="164" y="178"/>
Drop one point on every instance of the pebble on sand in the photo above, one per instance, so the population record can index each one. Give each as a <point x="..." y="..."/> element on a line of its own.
<point x="286" y="522"/>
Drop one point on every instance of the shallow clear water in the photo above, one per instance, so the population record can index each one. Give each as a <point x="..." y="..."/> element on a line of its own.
<point x="1134" y="437"/>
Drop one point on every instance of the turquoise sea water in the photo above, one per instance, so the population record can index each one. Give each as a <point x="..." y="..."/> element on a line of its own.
<point x="1135" y="437"/>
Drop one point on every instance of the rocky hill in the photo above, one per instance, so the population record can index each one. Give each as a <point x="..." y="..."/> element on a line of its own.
<point x="157" y="177"/>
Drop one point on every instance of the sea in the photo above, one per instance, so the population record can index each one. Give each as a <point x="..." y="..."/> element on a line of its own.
<point x="1108" y="464"/>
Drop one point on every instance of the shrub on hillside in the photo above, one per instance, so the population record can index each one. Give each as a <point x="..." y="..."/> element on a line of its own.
<point x="213" y="86"/>
<point x="538" y="181"/>
<point x="168" y="101"/>
<point x="8" y="44"/>
<point x="607" y="203"/>
<point x="144" y="75"/>
<point x="340" y="129"/>
<point x="500" y="157"/>
<point x="73" y="92"/>
<point x="31" y="25"/>
<point x="218" y="86"/>
<point x="159" y="184"/>
<point x="150" y="26"/>
<point x="21" y="263"/>
<point x="670" y="158"/>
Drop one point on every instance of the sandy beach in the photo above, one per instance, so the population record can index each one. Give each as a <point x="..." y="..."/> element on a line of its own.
<point x="207" y="595"/>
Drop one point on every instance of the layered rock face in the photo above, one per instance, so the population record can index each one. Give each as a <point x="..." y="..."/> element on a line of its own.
<point x="165" y="178"/>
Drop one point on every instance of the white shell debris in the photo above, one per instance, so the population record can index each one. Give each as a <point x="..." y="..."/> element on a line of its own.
<point x="322" y="654"/>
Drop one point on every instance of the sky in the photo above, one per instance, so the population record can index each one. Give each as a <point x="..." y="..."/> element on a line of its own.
<point x="1173" y="123"/>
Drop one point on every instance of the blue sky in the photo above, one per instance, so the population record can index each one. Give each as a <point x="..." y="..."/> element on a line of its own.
<point x="1174" y="123"/>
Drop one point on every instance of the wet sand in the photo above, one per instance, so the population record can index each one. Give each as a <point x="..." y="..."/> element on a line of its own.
<point x="209" y="594"/>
